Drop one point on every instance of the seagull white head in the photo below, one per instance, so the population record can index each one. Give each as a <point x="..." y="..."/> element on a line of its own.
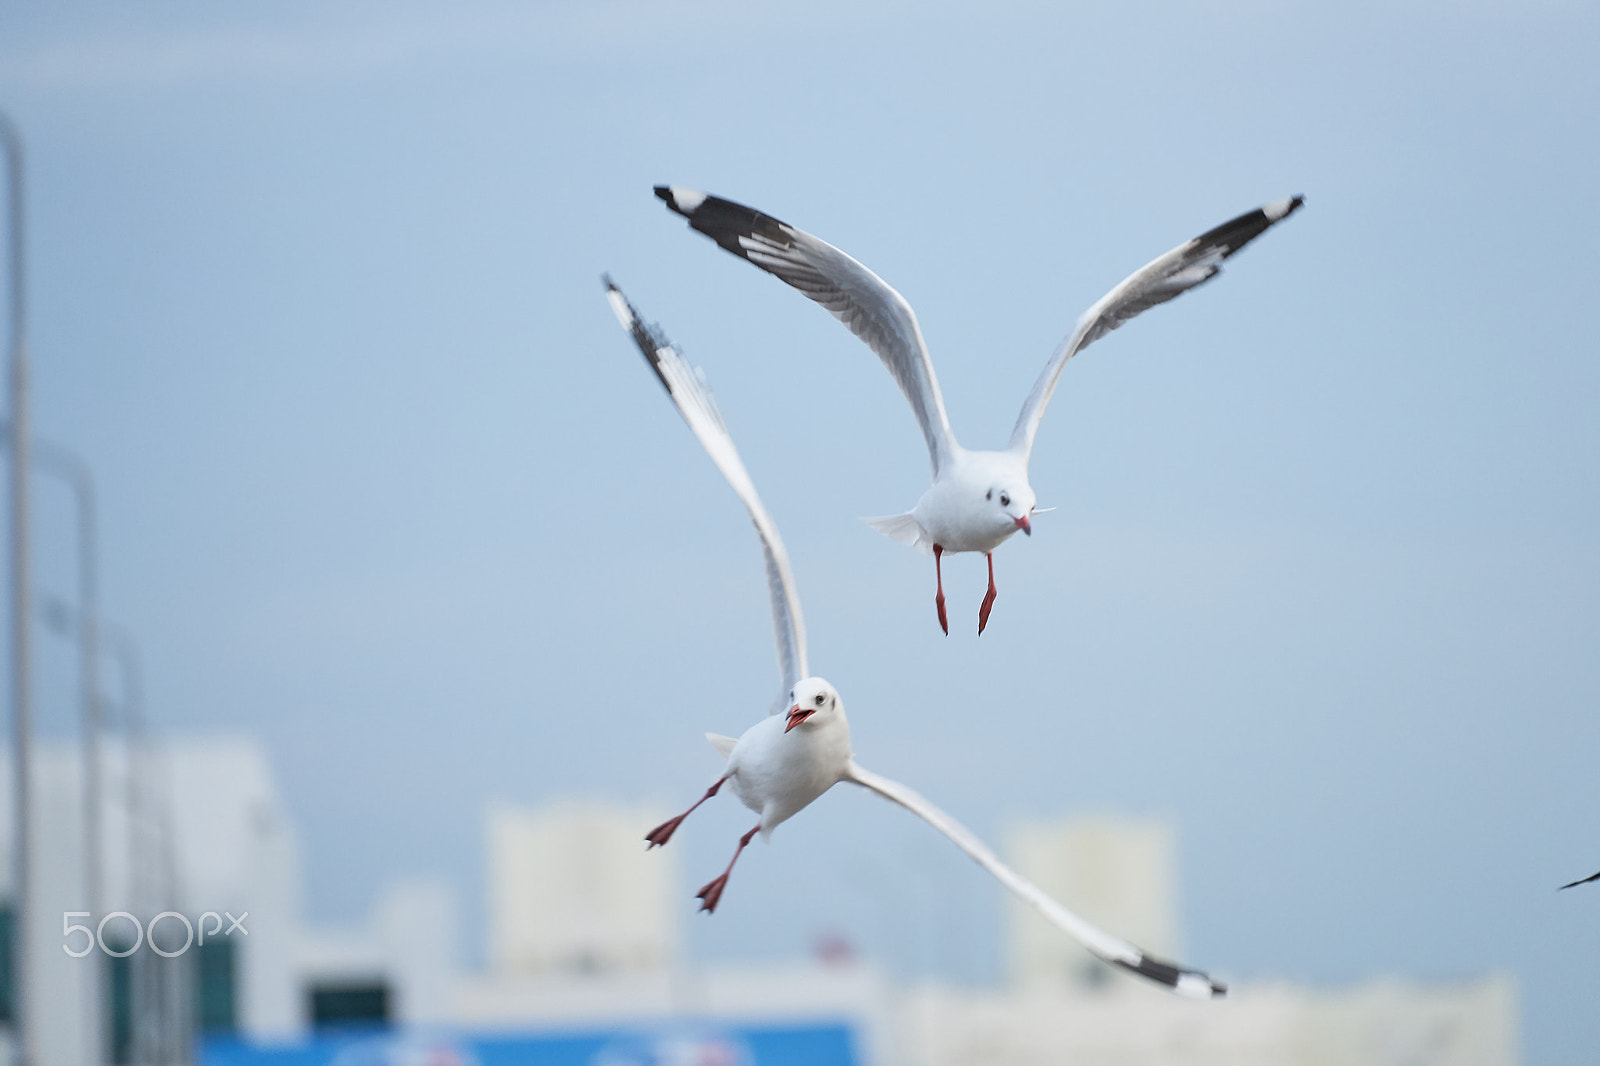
<point x="812" y="702"/>
<point x="1010" y="502"/>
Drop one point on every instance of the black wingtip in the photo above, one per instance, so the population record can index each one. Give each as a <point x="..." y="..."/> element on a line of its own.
<point x="1235" y="233"/>
<point x="664" y="194"/>
<point x="1580" y="881"/>
<point x="648" y="337"/>
<point x="1190" y="983"/>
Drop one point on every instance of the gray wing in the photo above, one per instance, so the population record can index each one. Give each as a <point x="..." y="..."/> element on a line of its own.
<point x="854" y="295"/>
<point x="689" y="391"/>
<point x="1185" y="982"/>
<point x="1186" y="266"/>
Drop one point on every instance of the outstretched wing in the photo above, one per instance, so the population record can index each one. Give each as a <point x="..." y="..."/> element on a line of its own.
<point x="1582" y="881"/>
<point x="1191" y="263"/>
<point x="1191" y="983"/>
<point x="853" y="294"/>
<point x="689" y="390"/>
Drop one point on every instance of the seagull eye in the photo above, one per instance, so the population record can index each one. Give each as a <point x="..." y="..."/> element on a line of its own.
<point x="989" y="495"/>
<point x="1005" y="501"/>
<point x="820" y="698"/>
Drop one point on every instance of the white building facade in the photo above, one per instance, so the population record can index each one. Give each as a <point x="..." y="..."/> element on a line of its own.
<point x="584" y="936"/>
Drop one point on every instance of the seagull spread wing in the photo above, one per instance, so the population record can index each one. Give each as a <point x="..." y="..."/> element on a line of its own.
<point x="1191" y="263"/>
<point x="1190" y="983"/>
<point x="1583" y="881"/>
<point x="853" y="294"/>
<point x="688" y="388"/>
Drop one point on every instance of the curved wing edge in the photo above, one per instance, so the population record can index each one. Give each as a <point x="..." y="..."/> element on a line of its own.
<point x="1167" y="277"/>
<point x="1185" y="982"/>
<point x="868" y="306"/>
<point x="691" y="394"/>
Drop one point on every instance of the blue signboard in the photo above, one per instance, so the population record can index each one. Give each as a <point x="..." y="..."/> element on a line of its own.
<point x="668" y="1044"/>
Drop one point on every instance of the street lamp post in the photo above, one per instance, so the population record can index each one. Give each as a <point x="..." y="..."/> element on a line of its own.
<point x="144" y="994"/>
<point x="21" y="608"/>
<point x="75" y="472"/>
<point x="162" y="1026"/>
<point x="161" y="1029"/>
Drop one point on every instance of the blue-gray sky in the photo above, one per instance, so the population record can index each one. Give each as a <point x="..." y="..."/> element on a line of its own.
<point x="315" y="288"/>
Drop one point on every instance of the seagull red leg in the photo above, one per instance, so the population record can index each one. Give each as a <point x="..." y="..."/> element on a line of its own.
<point x="709" y="895"/>
<point x="663" y="832"/>
<point x="938" y="597"/>
<point x="988" y="597"/>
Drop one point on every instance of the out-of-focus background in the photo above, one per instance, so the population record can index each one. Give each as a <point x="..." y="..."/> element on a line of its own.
<point x="434" y="595"/>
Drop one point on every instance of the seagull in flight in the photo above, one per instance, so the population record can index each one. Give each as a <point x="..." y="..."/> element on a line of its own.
<point x="978" y="499"/>
<point x="802" y="747"/>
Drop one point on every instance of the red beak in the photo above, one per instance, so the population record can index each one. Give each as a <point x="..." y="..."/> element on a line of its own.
<point x="796" y="716"/>
<point x="1024" y="525"/>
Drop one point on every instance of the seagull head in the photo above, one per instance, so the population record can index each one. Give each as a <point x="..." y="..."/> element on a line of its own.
<point x="812" y="702"/>
<point x="1011" y="504"/>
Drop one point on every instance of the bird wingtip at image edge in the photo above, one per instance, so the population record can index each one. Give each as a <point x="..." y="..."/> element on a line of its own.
<point x="1277" y="210"/>
<point x="683" y="201"/>
<point x="1190" y="984"/>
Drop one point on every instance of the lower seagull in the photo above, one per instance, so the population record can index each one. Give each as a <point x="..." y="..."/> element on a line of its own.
<point x="802" y="748"/>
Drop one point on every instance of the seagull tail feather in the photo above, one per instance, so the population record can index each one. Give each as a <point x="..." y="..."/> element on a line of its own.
<point x="903" y="528"/>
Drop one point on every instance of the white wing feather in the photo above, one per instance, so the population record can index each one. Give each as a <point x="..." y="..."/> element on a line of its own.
<point x="1186" y="266"/>
<point x="864" y="302"/>
<point x="690" y="392"/>
<point x="1185" y="982"/>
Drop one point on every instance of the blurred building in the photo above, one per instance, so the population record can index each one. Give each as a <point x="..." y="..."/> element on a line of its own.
<point x="585" y="929"/>
<point x="401" y="965"/>
<point x="572" y="891"/>
<point x="1065" y="1006"/>
<point x="1382" y="1023"/>
<point x="584" y="955"/>
<point x="1119" y="873"/>
<point x="195" y="836"/>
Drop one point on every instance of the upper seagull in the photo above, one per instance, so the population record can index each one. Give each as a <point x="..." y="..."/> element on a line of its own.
<point x="788" y="759"/>
<point x="978" y="499"/>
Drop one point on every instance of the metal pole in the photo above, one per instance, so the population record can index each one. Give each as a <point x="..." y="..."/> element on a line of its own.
<point x="21" y="608"/>
<point x="142" y="993"/>
<point x="145" y="971"/>
<point x="162" y="1024"/>
<point x="133" y="737"/>
<point x="75" y="472"/>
